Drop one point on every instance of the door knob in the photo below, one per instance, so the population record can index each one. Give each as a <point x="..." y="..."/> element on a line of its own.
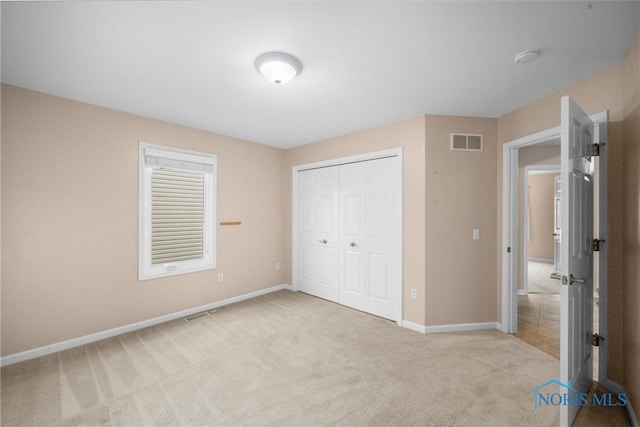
<point x="324" y="241"/>
<point x="353" y="244"/>
<point x="571" y="280"/>
<point x="578" y="280"/>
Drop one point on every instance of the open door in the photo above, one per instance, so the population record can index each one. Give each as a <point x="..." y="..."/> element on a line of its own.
<point x="576" y="255"/>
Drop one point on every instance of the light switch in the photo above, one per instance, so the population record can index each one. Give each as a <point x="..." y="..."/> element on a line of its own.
<point x="476" y="234"/>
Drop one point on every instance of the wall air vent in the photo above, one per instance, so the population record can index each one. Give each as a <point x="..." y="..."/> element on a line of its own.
<point x="465" y="142"/>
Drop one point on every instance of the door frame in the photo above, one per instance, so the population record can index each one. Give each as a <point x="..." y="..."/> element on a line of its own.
<point x="397" y="240"/>
<point x="509" y="274"/>
<point x="534" y="170"/>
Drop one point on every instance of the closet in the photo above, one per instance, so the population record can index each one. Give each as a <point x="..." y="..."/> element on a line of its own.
<point x="347" y="232"/>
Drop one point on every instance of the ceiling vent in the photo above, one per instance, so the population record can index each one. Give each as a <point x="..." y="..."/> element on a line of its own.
<point x="465" y="142"/>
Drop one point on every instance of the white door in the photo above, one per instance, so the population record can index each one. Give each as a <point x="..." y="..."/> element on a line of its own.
<point x="576" y="253"/>
<point x="369" y="260"/>
<point x="353" y="192"/>
<point x="318" y="232"/>
<point x="382" y="260"/>
<point x="557" y="198"/>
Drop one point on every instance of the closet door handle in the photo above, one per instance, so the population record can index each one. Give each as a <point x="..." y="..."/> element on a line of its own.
<point x="323" y="241"/>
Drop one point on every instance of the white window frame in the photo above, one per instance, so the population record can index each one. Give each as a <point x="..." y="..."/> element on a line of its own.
<point x="172" y="158"/>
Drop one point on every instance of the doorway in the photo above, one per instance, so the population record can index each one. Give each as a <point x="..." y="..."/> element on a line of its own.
<point x="584" y="139"/>
<point x="541" y="229"/>
<point x="538" y="292"/>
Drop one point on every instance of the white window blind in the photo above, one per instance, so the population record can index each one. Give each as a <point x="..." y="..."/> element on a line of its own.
<point x="177" y="216"/>
<point x="177" y="211"/>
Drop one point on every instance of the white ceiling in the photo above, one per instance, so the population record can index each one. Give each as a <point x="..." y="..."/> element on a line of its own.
<point x="366" y="63"/>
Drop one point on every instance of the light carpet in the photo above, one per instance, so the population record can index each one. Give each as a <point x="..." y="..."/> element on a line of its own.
<point x="283" y="359"/>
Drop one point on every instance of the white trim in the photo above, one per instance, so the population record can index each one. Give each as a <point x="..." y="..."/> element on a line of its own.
<point x="413" y="326"/>
<point x="146" y="270"/>
<point x="523" y="292"/>
<point x="461" y="327"/>
<point x="398" y="243"/>
<point x="87" y="339"/>
<point x="350" y="159"/>
<point x="510" y="221"/>
<point x="545" y="260"/>
<point x="541" y="169"/>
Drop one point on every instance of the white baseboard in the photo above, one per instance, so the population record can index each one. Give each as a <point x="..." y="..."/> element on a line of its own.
<point x="75" y="342"/>
<point x="617" y="388"/>
<point x="451" y="328"/>
<point x="413" y="326"/>
<point x="548" y="261"/>
<point x="460" y="327"/>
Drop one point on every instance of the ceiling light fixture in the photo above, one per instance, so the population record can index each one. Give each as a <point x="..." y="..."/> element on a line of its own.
<point x="526" y="56"/>
<point x="278" y="67"/>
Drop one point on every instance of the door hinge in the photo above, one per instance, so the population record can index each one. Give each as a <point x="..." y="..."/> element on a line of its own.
<point x="595" y="340"/>
<point x="509" y="250"/>
<point x="596" y="150"/>
<point x="596" y="244"/>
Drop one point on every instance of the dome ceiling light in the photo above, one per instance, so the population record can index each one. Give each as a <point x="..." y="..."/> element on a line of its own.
<point x="526" y="56"/>
<point x="278" y="67"/>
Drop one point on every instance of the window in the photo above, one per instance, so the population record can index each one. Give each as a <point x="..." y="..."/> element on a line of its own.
<point x="177" y="211"/>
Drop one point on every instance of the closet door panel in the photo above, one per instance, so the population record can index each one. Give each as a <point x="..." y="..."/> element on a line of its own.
<point x="352" y="227"/>
<point x="318" y="232"/>
<point x="382" y="197"/>
<point x="379" y="277"/>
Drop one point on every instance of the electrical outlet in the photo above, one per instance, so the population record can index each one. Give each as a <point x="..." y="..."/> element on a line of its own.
<point x="414" y="294"/>
<point x="220" y="277"/>
<point x="277" y="266"/>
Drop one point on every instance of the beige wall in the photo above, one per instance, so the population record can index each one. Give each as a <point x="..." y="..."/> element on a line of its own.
<point x="541" y="192"/>
<point x="70" y="220"/>
<point x="460" y="196"/>
<point x="408" y="134"/>
<point x="631" y="195"/>
<point x="616" y="90"/>
<point x="445" y="195"/>
<point x="530" y="156"/>
<point x="70" y="178"/>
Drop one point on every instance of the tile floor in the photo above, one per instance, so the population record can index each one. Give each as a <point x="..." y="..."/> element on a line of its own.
<point x="539" y="322"/>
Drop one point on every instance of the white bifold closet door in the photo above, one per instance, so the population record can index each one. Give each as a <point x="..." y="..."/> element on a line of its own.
<point x="348" y="227"/>
<point x="318" y="232"/>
